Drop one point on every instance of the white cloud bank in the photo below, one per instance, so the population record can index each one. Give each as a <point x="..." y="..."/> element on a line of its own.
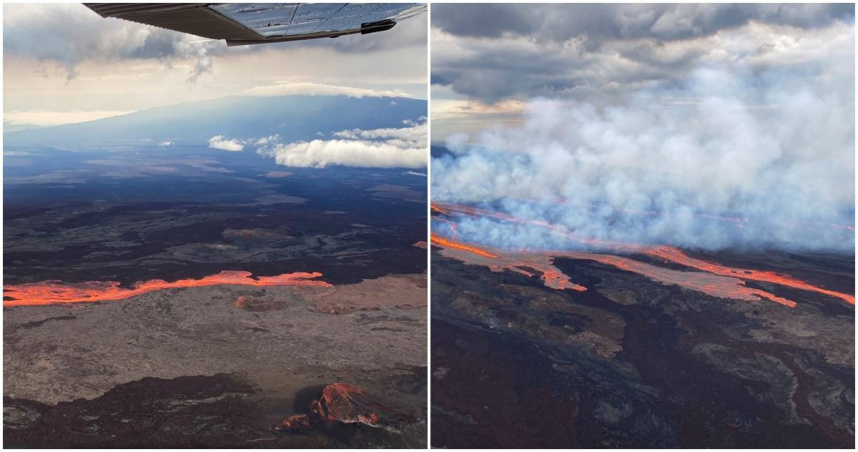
<point x="221" y="142"/>
<point x="378" y="148"/>
<point x="286" y="88"/>
<point x="45" y="118"/>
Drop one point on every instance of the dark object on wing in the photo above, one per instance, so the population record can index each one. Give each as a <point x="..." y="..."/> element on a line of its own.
<point x="258" y="23"/>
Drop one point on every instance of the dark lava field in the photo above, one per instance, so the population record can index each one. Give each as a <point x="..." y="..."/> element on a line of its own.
<point x="219" y="365"/>
<point x="122" y="216"/>
<point x="631" y="362"/>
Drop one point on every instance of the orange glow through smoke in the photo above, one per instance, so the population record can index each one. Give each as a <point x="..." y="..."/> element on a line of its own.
<point x="55" y="292"/>
<point x="716" y="280"/>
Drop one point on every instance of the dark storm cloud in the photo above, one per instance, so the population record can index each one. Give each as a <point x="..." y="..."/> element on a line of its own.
<point x="495" y="51"/>
<point x="605" y="21"/>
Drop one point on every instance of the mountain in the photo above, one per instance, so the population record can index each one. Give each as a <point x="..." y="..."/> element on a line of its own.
<point x="292" y="117"/>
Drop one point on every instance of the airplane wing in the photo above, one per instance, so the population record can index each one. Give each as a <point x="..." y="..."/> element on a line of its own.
<point x="259" y="23"/>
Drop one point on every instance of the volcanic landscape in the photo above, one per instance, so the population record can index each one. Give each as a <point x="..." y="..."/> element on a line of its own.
<point x="626" y="345"/>
<point x="191" y="297"/>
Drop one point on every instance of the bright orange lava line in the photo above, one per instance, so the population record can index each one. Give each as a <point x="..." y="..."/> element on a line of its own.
<point x="55" y="292"/>
<point x="460" y="246"/>
<point x="722" y="286"/>
<point x="438" y="209"/>
<point x="665" y="252"/>
<point x="677" y="256"/>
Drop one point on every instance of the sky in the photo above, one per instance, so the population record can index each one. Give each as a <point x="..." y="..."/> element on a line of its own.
<point x="706" y="126"/>
<point x="63" y="63"/>
<point x="488" y="60"/>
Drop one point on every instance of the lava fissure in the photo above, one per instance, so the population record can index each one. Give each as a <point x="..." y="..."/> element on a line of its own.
<point x="675" y="255"/>
<point x="461" y="246"/>
<point x="710" y="278"/>
<point x="56" y="292"/>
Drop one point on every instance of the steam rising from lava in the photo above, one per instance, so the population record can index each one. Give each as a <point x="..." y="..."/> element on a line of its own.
<point x="735" y="156"/>
<point x="703" y="276"/>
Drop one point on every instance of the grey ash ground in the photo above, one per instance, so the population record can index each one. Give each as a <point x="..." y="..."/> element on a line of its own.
<point x="634" y="363"/>
<point x="219" y="366"/>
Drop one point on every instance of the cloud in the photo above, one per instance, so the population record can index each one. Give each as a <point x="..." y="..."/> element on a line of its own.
<point x="599" y="22"/>
<point x="71" y="34"/>
<point x="62" y="57"/>
<point x="599" y="52"/>
<point x="265" y="140"/>
<point x="451" y="116"/>
<point x="286" y="88"/>
<point x="377" y="148"/>
<point x="45" y="118"/>
<point x="221" y="142"/>
<point x="750" y="147"/>
<point x="405" y="137"/>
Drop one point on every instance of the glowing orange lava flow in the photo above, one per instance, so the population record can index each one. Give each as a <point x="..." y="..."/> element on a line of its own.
<point x="460" y="246"/>
<point x="715" y="285"/>
<point x="438" y="209"/>
<point x="55" y="292"/>
<point x="675" y="255"/>
<point x="518" y="263"/>
<point x="721" y="286"/>
<point x="718" y="280"/>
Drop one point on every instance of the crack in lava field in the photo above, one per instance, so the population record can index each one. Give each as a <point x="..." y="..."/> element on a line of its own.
<point x="56" y="292"/>
<point x="706" y="277"/>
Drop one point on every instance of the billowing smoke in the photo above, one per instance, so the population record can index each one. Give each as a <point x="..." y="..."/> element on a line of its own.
<point x="735" y="155"/>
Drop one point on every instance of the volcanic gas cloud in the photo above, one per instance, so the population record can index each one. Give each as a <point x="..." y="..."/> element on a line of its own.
<point x="706" y="277"/>
<point x="56" y="292"/>
<point x="754" y="157"/>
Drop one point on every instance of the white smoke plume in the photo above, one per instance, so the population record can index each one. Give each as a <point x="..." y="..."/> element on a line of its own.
<point x="767" y="149"/>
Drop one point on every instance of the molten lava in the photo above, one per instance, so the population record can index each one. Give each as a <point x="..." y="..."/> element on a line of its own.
<point x="713" y="279"/>
<point x="498" y="261"/>
<point x="55" y="292"/>
<point x="711" y="284"/>
<point x="460" y="246"/>
<point x="675" y="255"/>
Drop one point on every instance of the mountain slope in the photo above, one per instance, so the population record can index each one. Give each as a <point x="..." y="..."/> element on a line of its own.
<point x="292" y="117"/>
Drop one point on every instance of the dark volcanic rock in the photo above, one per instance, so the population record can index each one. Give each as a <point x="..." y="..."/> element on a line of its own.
<point x="204" y="412"/>
<point x="182" y="412"/>
<point x="348" y="414"/>
<point x="633" y="363"/>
